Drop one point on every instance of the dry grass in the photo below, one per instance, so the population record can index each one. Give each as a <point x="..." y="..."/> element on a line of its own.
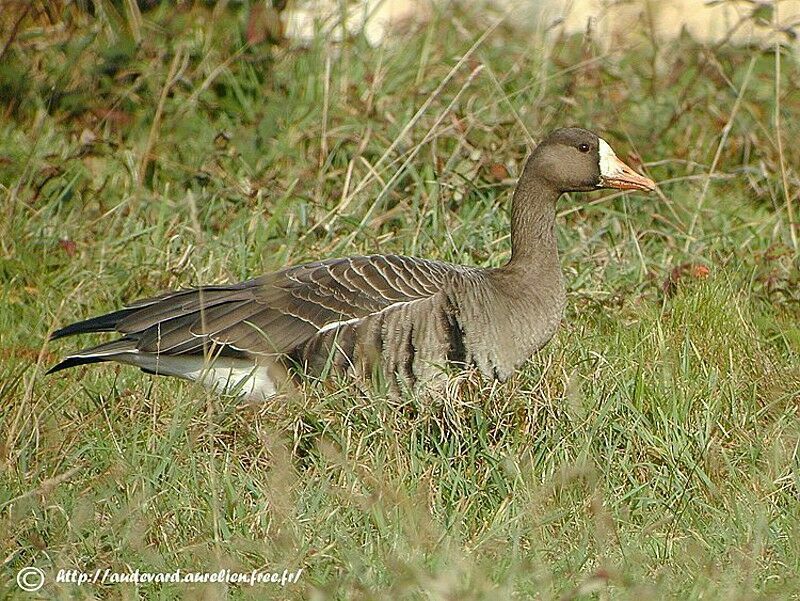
<point x="650" y="451"/>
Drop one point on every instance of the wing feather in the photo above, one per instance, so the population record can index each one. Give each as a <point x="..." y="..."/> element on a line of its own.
<point x="277" y="312"/>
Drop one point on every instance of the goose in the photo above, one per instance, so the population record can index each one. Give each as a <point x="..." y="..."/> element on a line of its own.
<point x="397" y="317"/>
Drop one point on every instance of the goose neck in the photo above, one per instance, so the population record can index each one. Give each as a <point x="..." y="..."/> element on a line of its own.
<point x="533" y="216"/>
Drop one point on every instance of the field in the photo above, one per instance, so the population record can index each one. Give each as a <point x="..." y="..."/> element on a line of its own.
<point x="650" y="451"/>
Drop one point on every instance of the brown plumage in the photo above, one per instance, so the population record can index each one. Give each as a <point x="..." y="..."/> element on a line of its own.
<point x="403" y="316"/>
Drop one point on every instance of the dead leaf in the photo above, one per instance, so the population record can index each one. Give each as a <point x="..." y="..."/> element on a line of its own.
<point x="498" y="172"/>
<point x="635" y="161"/>
<point x="691" y="271"/>
<point x="115" y="117"/>
<point x="263" y="24"/>
<point x="68" y="246"/>
<point x="458" y="124"/>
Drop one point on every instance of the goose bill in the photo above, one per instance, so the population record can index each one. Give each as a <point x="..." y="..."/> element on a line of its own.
<point x="616" y="174"/>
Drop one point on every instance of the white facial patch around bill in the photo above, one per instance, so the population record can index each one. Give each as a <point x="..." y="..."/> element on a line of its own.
<point x="609" y="163"/>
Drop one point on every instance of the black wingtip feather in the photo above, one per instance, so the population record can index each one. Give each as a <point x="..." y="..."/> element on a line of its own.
<point x="74" y="362"/>
<point x="101" y="323"/>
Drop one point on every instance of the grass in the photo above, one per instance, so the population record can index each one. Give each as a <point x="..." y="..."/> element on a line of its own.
<point x="650" y="451"/>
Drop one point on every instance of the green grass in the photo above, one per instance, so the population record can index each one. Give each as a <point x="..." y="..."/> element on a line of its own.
<point x="650" y="451"/>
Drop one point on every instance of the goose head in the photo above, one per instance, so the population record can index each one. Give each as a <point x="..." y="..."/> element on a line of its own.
<point x="578" y="160"/>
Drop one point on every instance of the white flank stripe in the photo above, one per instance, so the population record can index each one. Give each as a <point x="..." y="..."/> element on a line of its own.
<point x="337" y="324"/>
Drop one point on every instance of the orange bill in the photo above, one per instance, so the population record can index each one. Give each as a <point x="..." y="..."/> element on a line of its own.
<point x="616" y="174"/>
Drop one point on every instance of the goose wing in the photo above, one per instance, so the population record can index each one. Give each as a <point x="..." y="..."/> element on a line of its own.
<point x="269" y="315"/>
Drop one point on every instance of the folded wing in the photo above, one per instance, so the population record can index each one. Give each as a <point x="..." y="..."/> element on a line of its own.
<point x="267" y="316"/>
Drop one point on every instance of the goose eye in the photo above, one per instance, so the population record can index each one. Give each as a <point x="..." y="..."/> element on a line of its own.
<point x="583" y="147"/>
